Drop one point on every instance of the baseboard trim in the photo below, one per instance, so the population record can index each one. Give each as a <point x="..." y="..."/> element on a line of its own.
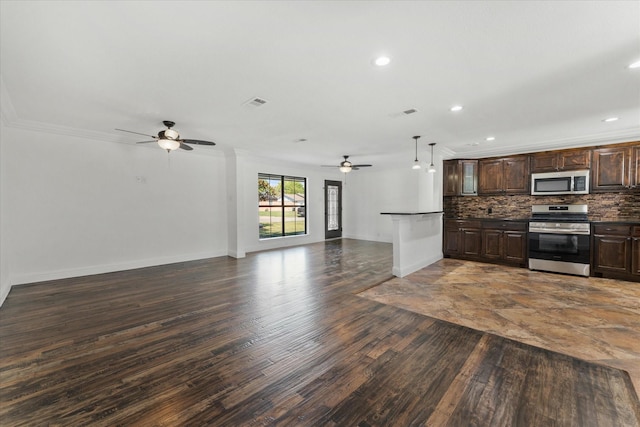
<point x="4" y="294"/>
<point x="23" y="279"/>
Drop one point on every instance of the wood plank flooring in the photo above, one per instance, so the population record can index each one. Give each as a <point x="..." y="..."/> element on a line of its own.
<point x="594" y="319"/>
<point x="277" y="338"/>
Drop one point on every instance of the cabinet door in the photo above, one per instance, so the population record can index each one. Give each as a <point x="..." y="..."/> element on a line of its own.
<point x="469" y="174"/>
<point x="490" y="177"/>
<point x="611" y="253"/>
<point x="515" y="246"/>
<point x="635" y="256"/>
<point x="492" y="244"/>
<point x="471" y="242"/>
<point x="611" y="169"/>
<point x="575" y="159"/>
<point x="635" y="184"/>
<point x="544" y="162"/>
<point x="451" y="178"/>
<point x="451" y="238"/>
<point x="635" y="250"/>
<point x="516" y="175"/>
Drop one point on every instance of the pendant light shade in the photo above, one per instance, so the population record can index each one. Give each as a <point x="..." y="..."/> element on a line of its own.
<point x="416" y="163"/>
<point x="432" y="167"/>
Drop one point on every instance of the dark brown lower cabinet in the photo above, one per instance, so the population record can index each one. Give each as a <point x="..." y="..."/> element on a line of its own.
<point x="471" y="242"/>
<point x="515" y="246"/>
<point x="492" y="244"/>
<point x="452" y="241"/>
<point x="486" y="240"/>
<point x="635" y="255"/>
<point x="616" y="251"/>
<point x="505" y="241"/>
<point x="461" y="238"/>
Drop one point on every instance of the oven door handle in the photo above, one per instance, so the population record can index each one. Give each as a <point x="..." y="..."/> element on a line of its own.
<point x="559" y="231"/>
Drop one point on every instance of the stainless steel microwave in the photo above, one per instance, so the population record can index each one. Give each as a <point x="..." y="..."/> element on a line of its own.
<point x="567" y="182"/>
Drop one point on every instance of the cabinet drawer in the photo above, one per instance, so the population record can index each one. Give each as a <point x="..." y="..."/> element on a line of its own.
<point x="504" y="225"/>
<point x="469" y="224"/>
<point x="635" y="231"/>
<point x="611" y="229"/>
<point x="457" y="224"/>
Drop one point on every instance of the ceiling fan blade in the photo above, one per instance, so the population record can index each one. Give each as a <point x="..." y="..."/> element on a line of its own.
<point x="185" y="147"/>
<point x="361" y="166"/>
<point x="197" y="142"/>
<point x="137" y="133"/>
<point x="329" y="166"/>
<point x="145" y="142"/>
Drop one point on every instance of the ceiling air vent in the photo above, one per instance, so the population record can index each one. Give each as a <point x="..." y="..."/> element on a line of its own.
<point x="403" y="113"/>
<point x="256" y="102"/>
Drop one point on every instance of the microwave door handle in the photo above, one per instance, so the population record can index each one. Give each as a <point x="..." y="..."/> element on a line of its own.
<point x="573" y="183"/>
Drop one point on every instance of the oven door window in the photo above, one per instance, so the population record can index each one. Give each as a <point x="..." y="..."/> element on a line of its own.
<point x="559" y="247"/>
<point x="558" y="243"/>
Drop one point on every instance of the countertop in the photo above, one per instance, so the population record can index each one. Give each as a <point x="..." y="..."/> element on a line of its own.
<point x="410" y="213"/>
<point x="490" y="219"/>
<point x="594" y="220"/>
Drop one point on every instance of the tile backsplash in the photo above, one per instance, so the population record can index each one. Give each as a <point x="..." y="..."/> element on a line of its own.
<point x="602" y="206"/>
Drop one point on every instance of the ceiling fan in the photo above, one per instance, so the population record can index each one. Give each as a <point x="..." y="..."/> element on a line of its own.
<point x="346" y="166"/>
<point x="169" y="139"/>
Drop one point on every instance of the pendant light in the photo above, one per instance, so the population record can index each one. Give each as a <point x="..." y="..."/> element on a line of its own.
<point x="432" y="168"/>
<point x="416" y="163"/>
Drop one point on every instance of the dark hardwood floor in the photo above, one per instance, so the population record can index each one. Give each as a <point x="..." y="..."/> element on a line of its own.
<point x="277" y="338"/>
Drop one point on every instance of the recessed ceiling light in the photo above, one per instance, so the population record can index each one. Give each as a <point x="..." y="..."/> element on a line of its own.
<point x="635" y="65"/>
<point x="610" y="119"/>
<point x="381" y="61"/>
<point x="490" y="138"/>
<point x="456" y="108"/>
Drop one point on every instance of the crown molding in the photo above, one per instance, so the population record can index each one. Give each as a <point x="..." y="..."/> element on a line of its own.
<point x="9" y="118"/>
<point x="602" y="138"/>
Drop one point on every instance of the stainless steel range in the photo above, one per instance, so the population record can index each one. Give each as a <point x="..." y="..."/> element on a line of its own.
<point x="559" y="239"/>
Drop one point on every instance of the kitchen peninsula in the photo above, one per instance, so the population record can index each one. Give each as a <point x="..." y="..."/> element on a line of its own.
<point x="417" y="240"/>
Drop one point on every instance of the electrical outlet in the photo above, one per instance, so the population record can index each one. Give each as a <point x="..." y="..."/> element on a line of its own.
<point x="141" y="179"/>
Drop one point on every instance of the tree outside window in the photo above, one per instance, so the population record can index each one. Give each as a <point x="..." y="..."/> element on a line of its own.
<point x="281" y="205"/>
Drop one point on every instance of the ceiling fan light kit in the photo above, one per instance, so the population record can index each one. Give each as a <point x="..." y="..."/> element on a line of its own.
<point x="168" y="144"/>
<point x="346" y="166"/>
<point x="169" y="139"/>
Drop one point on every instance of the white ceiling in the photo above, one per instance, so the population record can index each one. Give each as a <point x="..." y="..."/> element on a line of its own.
<point x="534" y="74"/>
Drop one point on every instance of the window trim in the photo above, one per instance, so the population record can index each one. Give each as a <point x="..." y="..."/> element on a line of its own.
<point x="283" y="205"/>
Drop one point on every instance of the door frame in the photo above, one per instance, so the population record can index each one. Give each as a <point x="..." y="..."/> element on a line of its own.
<point x="332" y="234"/>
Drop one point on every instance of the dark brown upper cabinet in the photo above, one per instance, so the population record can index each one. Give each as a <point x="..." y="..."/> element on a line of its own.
<point x="507" y="175"/>
<point x="552" y="161"/>
<point x="615" y="169"/>
<point x="460" y="178"/>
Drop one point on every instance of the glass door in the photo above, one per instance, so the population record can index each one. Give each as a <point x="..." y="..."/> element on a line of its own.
<point x="332" y="209"/>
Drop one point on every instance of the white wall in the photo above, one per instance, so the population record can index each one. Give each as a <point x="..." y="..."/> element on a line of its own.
<point x="72" y="206"/>
<point x="399" y="189"/>
<point x="5" y="284"/>
<point x="248" y="170"/>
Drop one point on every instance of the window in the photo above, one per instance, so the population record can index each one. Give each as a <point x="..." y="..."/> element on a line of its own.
<point x="281" y="205"/>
